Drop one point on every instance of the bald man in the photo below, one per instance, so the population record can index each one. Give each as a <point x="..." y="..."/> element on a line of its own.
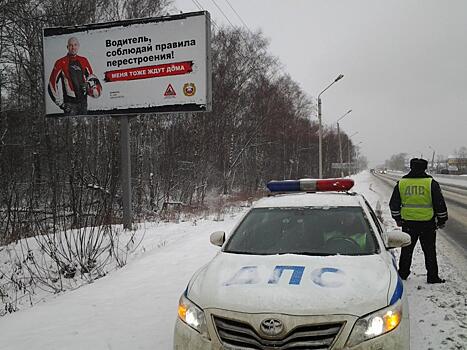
<point x="73" y="71"/>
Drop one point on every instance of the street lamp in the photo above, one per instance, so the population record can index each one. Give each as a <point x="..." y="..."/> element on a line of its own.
<point x="348" y="148"/>
<point x="320" y="130"/>
<point x="357" y="156"/>
<point x="339" y="138"/>
<point x="432" y="160"/>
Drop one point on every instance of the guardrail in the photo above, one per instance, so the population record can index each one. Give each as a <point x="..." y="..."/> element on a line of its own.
<point x="454" y="193"/>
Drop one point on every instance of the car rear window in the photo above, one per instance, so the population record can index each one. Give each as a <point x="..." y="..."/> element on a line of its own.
<point x="308" y="231"/>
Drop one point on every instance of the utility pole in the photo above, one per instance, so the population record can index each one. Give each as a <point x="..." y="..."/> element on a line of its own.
<point x="432" y="160"/>
<point x="348" y="149"/>
<point x="340" y="143"/>
<point x="126" y="171"/>
<point x="320" y="128"/>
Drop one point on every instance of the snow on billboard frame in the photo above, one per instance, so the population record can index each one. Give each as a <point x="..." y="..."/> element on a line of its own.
<point x="145" y="65"/>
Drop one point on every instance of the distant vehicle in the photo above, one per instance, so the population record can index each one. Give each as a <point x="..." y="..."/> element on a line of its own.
<point x="453" y="169"/>
<point x="300" y="270"/>
<point x="444" y="171"/>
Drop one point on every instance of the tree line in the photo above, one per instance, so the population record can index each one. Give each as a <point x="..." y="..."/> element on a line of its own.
<point x="52" y="170"/>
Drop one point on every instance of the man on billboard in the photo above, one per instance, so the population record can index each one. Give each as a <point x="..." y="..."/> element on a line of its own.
<point x="77" y="81"/>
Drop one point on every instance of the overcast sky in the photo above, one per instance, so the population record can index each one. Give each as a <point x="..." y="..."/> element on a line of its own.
<point x="404" y="64"/>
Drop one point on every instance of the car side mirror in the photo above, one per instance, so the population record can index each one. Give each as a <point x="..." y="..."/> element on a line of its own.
<point x="217" y="238"/>
<point x="398" y="239"/>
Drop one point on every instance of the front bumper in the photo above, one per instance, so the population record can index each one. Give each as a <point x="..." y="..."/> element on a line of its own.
<point x="187" y="338"/>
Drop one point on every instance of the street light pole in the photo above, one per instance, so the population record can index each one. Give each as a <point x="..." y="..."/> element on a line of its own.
<point x="348" y="148"/>
<point x="340" y="143"/>
<point x="357" y="156"/>
<point x="320" y="129"/>
<point x="432" y="160"/>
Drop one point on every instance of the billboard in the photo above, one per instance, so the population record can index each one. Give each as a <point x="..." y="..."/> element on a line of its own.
<point x="149" y="65"/>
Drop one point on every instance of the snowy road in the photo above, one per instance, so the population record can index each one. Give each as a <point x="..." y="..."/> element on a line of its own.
<point x="135" y="307"/>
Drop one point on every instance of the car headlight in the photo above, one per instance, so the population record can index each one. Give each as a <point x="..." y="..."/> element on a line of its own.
<point x="192" y="315"/>
<point x="376" y="324"/>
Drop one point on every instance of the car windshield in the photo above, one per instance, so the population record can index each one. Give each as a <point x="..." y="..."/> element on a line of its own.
<point x="308" y="231"/>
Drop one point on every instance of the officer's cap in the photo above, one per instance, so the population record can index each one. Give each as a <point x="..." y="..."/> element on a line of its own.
<point x="418" y="164"/>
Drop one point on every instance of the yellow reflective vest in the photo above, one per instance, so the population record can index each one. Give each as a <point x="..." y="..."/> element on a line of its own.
<point x="416" y="202"/>
<point x="359" y="238"/>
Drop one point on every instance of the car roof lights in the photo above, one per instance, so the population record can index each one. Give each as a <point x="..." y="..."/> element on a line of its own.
<point x="311" y="185"/>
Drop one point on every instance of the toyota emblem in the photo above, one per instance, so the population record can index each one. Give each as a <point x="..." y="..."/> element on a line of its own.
<point x="271" y="327"/>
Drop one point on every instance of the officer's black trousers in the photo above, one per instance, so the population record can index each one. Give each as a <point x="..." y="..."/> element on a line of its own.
<point x="427" y="238"/>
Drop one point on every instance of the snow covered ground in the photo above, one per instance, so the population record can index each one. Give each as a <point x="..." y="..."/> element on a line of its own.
<point x="135" y="307"/>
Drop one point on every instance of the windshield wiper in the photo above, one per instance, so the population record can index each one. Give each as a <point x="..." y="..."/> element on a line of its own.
<point x="240" y="252"/>
<point x="279" y="253"/>
<point x="312" y="253"/>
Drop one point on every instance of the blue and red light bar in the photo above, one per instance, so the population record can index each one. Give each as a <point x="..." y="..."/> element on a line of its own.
<point x="311" y="185"/>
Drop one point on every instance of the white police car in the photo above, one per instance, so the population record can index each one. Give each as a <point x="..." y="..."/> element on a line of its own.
<point x="304" y="270"/>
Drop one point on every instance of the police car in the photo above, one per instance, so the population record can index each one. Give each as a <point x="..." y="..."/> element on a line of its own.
<point x="309" y="267"/>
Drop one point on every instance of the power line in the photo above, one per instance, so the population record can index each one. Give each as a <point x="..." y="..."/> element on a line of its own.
<point x="246" y="26"/>
<point x="241" y="19"/>
<point x="202" y="9"/>
<point x="223" y="14"/>
<point x="198" y="5"/>
<point x="252" y="65"/>
<point x="234" y="27"/>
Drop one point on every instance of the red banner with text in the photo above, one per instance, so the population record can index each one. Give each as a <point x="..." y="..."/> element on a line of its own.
<point x="161" y="70"/>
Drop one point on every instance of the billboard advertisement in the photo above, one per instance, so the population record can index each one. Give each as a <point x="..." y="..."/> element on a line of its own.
<point x="149" y="65"/>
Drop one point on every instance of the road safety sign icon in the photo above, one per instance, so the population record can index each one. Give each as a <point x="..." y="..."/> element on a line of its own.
<point x="170" y="91"/>
<point x="189" y="89"/>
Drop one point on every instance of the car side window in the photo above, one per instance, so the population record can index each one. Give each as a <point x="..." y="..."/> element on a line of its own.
<point x="373" y="216"/>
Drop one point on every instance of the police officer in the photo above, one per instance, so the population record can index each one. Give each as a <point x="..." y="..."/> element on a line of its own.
<point x="417" y="205"/>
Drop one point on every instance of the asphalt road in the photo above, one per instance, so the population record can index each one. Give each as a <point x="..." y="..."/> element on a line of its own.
<point x="455" y="196"/>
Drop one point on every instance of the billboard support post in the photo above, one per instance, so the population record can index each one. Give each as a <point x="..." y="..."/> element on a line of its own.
<point x="126" y="171"/>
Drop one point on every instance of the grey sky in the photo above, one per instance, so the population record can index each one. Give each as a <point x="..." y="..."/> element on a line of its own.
<point x="404" y="62"/>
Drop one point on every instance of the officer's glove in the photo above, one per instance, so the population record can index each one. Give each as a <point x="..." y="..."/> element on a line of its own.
<point x="399" y="223"/>
<point x="441" y="224"/>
